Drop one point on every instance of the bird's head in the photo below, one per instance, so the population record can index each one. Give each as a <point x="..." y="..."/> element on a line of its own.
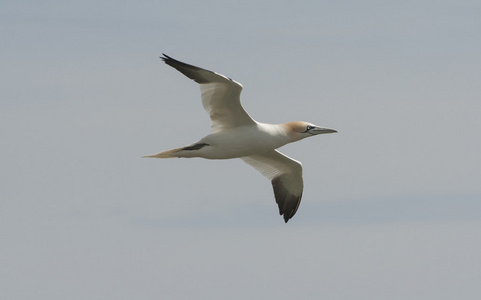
<point x="300" y="130"/>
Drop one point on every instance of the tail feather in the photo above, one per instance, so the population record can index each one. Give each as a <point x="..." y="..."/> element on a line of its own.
<point x="165" y="154"/>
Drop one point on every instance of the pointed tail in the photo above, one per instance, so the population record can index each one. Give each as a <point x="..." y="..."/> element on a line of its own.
<point x="165" y="154"/>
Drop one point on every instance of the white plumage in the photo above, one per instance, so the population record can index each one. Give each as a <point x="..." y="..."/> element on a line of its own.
<point x="236" y="135"/>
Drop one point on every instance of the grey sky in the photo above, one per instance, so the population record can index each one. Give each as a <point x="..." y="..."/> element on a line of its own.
<point x="391" y="207"/>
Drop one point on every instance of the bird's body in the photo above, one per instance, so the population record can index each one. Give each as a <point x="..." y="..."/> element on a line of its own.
<point x="238" y="142"/>
<point x="236" y="135"/>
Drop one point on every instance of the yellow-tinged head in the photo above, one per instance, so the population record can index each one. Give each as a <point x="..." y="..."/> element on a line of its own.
<point x="299" y="130"/>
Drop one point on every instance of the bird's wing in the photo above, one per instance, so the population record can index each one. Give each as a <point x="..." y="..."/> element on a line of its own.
<point x="285" y="174"/>
<point x="220" y="95"/>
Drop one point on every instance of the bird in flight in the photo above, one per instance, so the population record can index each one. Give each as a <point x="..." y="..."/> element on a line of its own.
<point x="236" y="135"/>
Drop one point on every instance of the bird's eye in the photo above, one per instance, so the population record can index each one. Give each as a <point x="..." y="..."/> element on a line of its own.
<point x="309" y="127"/>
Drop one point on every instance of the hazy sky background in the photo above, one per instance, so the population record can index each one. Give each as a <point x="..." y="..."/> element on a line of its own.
<point x="392" y="203"/>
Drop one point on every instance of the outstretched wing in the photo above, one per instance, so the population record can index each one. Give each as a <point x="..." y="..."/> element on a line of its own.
<point x="220" y="95"/>
<point x="285" y="174"/>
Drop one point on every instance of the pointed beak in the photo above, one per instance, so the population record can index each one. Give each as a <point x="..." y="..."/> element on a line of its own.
<point x="322" y="130"/>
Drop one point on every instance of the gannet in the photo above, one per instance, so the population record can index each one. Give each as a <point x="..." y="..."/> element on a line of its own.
<point x="236" y="135"/>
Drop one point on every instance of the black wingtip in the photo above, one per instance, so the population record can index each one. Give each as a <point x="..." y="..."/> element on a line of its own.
<point x="287" y="216"/>
<point x="171" y="61"/>
<point x="165" y="57"/>
<point x="283" y="215"/>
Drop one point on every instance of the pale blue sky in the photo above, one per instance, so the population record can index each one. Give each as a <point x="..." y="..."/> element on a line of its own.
<point x="391" y="206"/>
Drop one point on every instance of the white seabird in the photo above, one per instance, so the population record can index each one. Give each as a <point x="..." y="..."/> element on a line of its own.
<point x="236" y="135"/>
